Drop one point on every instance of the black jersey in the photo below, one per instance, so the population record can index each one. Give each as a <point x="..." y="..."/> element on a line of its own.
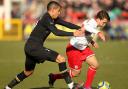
<point x="46" y="25"/>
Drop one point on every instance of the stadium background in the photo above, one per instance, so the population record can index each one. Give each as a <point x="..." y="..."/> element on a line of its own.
<point x="18" y="17"/>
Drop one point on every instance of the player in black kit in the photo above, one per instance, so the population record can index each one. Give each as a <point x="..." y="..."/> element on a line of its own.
<point x="35" y="51"/>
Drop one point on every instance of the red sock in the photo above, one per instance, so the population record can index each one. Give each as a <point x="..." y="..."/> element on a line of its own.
<point x="57" y="76"/>
<point x="90" y="76"/>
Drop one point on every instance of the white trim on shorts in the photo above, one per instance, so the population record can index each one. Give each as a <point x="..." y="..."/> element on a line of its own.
<point x="90" y="56"/>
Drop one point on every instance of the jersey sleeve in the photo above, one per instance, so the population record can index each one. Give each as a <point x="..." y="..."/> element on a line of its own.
<point x="51" y="26"/>
<point x="66" y="24"/>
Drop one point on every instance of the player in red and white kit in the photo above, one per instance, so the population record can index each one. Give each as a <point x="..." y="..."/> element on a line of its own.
<point x="78" y="50"/>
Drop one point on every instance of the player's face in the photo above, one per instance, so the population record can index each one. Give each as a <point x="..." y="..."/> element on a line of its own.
<point x="56" y="12"/>
<point x="103" y="22"/>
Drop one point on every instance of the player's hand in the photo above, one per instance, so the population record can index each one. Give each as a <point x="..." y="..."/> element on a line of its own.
<point x="82" y="28"/>
<point x="101" y="35"/>
<point x="95" y="45"/>
<point x="79" y="33"/>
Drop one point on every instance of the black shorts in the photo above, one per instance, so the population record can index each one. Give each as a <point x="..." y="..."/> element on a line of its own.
<point x="38" y="54"/>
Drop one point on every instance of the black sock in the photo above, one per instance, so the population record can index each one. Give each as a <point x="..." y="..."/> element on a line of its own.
<point x="13" y="83"/>
<point x="20" y="77"/>
<point x="63" y="69"/>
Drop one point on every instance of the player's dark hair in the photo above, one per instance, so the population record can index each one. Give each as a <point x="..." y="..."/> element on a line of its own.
<point x="103" y="14"/>
<point x="53" y="4"/>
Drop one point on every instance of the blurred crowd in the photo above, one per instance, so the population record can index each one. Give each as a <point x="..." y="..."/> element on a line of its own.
<point x="76" y="11"/>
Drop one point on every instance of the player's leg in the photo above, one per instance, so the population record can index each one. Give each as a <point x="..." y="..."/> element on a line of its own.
<point x="63" y="69"/>
<point x="93" y="66"/>
<point x="55" y="76"/>
<point x="29" y="69"/>
<point x="74" y="73"/>
<point x="53" y="56"/>
<point x="72" y="60"/>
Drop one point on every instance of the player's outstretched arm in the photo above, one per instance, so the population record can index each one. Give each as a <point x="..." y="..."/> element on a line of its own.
<point x="51" y="26"/>
<point x="58" y="32"/>
<point x="67" y="24"/>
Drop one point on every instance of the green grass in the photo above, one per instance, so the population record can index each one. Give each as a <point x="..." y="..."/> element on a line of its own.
<point x="112" y="55"/>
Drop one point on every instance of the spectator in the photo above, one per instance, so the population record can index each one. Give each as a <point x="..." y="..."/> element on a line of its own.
<point x="16" y="12"/>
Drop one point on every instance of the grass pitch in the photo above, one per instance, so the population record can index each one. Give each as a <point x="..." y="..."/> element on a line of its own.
<point x="112" y="55"/>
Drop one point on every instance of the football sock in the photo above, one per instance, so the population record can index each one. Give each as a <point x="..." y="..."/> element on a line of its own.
<point x="90" y="76"/>
<point x="20" y="77"/>
<point x="60" y="75"/>
<point x="66" y="76"/>
<point x="13" y="83"/>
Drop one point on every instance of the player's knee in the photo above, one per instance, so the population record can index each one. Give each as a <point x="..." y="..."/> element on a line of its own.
<point x="28" y="73"/>
<point x="60" y="59"/>
<point x="96" y="65"/>
<point x="74" y="73"/>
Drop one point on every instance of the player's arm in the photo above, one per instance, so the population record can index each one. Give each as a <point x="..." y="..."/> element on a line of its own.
<point x="51" y="26"/>
<point x="101" y="36"/>
<point x="90" y="29"/>
<point x="58" y="32"/>
<point x="66" y="24"/>
<point x="94" y="44"/>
